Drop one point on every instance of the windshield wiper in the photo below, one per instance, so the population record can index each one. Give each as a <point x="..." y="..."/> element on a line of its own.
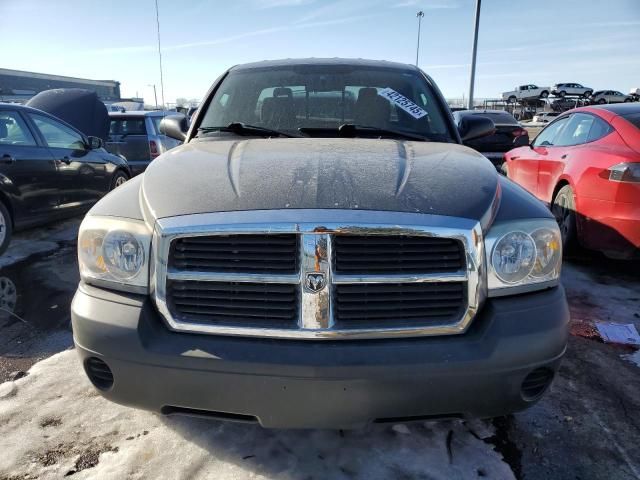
<point x="351" y="130"/>
<point x="240" y="128"/>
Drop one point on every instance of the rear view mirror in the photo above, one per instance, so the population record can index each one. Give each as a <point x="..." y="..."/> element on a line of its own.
<point x="95" y="142"/>
<point x="174" y="126"/>
<point x="475" y="126"/>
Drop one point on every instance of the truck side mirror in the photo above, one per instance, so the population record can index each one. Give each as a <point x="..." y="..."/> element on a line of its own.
<point x="174" y="126"/>
<point x="94" y="142"/>
<point x="475" y="126"/>
<point x="521" y="141"/>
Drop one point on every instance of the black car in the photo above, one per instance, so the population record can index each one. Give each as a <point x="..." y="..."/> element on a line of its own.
<point x="49" y="170"/>
<point x="508" y="134"/>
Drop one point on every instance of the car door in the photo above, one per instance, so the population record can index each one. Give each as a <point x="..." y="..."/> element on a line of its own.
<point x="565" y="145"/>
<point x="81" y="171"/>
<point x="27" y="171"/>
<point x="131" y="140"/>
<point x="523" y="165"/>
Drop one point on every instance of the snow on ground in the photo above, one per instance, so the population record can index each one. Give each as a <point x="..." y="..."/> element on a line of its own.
<point x="41" y="240"/>
<point x="54" y="423"/>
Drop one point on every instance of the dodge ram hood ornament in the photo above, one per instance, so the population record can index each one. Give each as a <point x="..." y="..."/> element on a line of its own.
<point x="315" y="281"/>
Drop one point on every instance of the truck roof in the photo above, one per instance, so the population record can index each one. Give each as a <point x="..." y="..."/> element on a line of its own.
<point x="359" y="62"/>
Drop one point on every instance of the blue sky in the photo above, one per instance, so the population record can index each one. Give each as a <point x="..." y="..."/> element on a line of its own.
<point x="521" y="41"/>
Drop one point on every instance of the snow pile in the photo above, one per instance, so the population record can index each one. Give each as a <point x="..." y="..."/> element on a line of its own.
<point x="53" y="423"/>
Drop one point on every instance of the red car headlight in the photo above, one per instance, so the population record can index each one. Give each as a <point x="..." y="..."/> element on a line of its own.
<point x="624" y="172"/>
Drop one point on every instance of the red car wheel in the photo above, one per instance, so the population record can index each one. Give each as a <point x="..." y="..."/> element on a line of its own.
<point x="564" y="210"/>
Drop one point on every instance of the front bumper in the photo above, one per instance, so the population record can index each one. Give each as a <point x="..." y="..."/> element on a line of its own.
<point x="322" y="384"/>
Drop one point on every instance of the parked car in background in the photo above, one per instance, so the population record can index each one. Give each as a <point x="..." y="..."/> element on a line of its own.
<point x="526" y="92"/>
<point x="49" y="170"/>
<point x="136" y="136"/>
<point x="572" y="89"/>
<point x="299" y="263"/>
<point x="545" y="117"/>
<point x="635" y="94"/>
<point x="586" y="166"/>
<point x="508" y="132"/>
<point x="562" y="104"/>
<point x="609" y="96"/>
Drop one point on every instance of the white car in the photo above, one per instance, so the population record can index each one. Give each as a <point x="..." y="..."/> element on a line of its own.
<point x="526" y="92"/>
<point x="562" y="89"/>
<point x="610" y="96"/>
<point x="545" y="117"/>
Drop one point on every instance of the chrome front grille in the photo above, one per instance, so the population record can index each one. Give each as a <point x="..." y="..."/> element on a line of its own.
<point x="263" y="274"/>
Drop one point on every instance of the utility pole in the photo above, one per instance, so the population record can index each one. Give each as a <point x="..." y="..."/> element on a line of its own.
<point x="420" y="14"/>
<point x="155" y="95"/>
<point x="473" y="55"/>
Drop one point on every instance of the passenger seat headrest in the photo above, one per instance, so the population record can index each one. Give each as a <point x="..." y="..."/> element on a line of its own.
<point x="367" y="93"/>
<point x="282" y="92"/>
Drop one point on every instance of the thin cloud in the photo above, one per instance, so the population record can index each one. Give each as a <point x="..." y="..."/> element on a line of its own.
<point x="134" y="49"/>
<point x="266" y="4"/>
<point x="427" y="5"/>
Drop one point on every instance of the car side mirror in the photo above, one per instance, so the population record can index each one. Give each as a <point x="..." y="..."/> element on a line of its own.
<point x="521" y="141"/>
<point x="475" y="126"/>
<point x="174" y="126"/>
<point x="95" y="143"/>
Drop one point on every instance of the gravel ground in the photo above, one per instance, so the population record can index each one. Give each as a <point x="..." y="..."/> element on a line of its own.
<point x="53" y="423"/>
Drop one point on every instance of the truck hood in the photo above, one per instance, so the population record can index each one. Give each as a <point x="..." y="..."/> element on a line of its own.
<point x="320" y="173"/>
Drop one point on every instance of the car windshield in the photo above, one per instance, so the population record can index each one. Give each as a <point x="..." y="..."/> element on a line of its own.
<point x="316" y="100"/>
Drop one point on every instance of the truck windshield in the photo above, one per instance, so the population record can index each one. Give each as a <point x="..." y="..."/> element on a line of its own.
<point x="316" y="100"/>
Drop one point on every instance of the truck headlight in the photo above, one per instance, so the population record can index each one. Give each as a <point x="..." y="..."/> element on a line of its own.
<point x="114" y="253"/>
<point x="523" y="255"/>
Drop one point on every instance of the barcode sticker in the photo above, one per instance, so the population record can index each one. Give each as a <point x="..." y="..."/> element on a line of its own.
<point x="403" y="102"/>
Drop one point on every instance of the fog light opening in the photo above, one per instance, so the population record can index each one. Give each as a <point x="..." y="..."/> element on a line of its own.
<point x="536" y="383"/>
<point x="99" y="373"/>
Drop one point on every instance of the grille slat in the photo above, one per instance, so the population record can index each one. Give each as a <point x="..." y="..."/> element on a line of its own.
<point x="400" y="303"/>
<point x="372" y="254"/>
<point x="264" y="305"/>
<point x="246" y="253"/>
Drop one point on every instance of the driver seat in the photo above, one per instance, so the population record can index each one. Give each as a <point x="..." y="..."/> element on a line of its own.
<point x="371" y="110"/>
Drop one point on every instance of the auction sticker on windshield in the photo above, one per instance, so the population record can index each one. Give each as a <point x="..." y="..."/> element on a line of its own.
<point x="403" y="102"/>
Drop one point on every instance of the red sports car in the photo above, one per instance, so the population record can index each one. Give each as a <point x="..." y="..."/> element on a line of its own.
<point x="586" y="166"/>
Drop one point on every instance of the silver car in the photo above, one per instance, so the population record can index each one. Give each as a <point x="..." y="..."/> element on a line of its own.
<point x="545" y="117"/>
<point x="571" y="89"/>
<point x="136" y="136"/>
<point x="610" y="96"/>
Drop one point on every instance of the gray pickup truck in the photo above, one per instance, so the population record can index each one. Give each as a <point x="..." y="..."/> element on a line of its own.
<point x="321" y="252"/>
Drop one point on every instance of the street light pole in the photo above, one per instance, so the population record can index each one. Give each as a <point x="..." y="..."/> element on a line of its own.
<point x="473" y="55"/>
<point x="155" y="95"/>
<point x="159" y="58"/>
<point x="420" y="14"/>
